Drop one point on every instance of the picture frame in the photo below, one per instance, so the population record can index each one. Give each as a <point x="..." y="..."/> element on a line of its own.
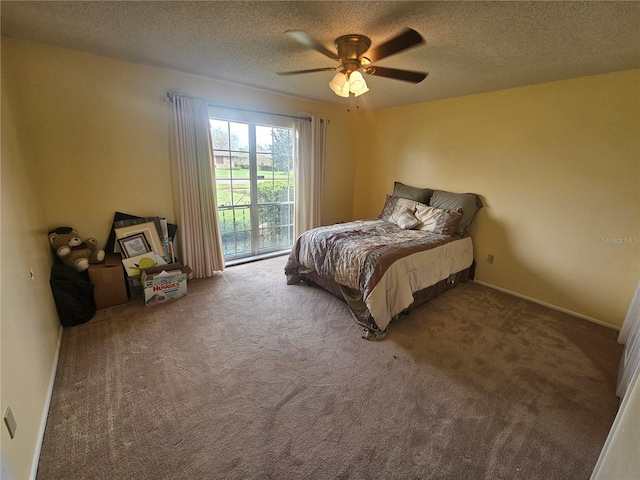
<point x="150" y="232"/>
<point x="134" y="265"/>
<point x="121" y="219"/>
<point x="134" y="245"/>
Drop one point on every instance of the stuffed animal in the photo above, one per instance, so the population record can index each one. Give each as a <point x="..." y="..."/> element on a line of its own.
<point x="66" y="242"/>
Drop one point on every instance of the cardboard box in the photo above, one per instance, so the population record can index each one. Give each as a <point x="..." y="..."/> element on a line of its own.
<point x="109" y="287"/>
<point x="113" y="260"/>
<point x="162" y="288"/>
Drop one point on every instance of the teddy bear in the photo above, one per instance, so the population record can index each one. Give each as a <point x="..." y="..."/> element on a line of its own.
<point x="74" y="252"/>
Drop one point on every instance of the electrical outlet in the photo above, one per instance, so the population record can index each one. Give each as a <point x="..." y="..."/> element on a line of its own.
<point x="10" y="422"/>
<point x="491" y="258"/>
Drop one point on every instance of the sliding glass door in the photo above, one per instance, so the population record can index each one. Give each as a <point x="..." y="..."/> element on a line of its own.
<point x="254" y="181"/>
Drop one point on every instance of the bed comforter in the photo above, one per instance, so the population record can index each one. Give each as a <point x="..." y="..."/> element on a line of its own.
<point x="378" y="264"/>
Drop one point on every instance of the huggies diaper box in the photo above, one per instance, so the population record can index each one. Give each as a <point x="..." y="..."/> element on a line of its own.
<point x="164" y="283"/>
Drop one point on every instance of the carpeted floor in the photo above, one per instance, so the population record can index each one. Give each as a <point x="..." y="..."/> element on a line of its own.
<point x="248" y="378"/>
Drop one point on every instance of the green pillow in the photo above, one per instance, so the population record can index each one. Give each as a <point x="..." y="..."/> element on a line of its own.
<point x="468" y="202"/>
<point x="421" y="195"/>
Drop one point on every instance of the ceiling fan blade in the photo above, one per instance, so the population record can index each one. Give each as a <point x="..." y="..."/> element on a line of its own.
<point x="306" y="40"/>
<point x="295" y="72"/>
<point x="407" y="39"/>
<point x="405" y="75"/>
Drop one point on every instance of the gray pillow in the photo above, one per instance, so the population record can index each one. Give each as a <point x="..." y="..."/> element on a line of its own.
<point x="468" y="202"/>
<point x="421" y="195"/>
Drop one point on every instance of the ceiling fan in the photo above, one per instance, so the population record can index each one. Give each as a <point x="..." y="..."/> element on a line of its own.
<point x="354" y="55"/>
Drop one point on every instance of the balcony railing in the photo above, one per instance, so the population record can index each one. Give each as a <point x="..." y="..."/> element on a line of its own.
<point x="274" y="232"/>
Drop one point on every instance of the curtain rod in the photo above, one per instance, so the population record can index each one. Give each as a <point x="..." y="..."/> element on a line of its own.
<point x="301" y="117"/>
<point x="214" y="105"/>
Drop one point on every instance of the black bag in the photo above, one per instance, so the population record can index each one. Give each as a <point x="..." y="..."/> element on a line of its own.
<point x="73" y="295"/>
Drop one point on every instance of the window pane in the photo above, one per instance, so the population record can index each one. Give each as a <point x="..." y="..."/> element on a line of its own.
<point x="241" y="192"/>
<point x="222" y="162"/>
<point x="239" y="136"/>
<point x="267" y="220"/>
<point x="282" y="149"/>
<point x="265" y="167"/>
<point x="240" y="165"/>
<point x="235" y="226"/>
<point x="264" y="138"/>
<point x="275" y="229"/>
<point x="223" y="191"/>
<point x="220" y="134"/>
<point x="240" y="184"/>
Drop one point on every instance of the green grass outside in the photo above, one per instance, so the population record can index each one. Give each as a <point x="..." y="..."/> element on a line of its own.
<point x="224" y="194"/>
<point x="241" y="193"/>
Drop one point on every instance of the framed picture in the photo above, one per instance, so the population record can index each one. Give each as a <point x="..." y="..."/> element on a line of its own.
<point x="150" y="233"/>
<point x="134" y="265"/>
<point x="134" y="245"/>
<point x="124" y="220"/>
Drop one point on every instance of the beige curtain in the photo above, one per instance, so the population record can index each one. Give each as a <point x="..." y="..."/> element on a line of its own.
<point x="309" y="173"/>
<point x="199" y="239"/>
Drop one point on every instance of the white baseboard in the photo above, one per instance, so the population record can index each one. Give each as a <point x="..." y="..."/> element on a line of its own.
<point x="45" y="410"/>
<point x="555" y="307"/>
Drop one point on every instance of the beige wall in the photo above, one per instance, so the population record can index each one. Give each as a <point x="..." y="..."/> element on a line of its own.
<point x="29" y="326"/>
<point x="84" y="136"/>
<point x="558" y="168"/>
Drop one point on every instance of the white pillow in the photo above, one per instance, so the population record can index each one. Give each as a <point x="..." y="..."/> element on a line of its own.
<point x="396" y="205"/>
<point x="404" y="219"/>
<point x="436" y="220"/>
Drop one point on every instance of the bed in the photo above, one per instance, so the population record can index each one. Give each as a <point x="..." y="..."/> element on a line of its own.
<point x="416" y="249"/>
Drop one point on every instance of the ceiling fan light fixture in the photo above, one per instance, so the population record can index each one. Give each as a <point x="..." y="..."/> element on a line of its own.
<point x="338" y="84"/>
<point x="357" y="85"/>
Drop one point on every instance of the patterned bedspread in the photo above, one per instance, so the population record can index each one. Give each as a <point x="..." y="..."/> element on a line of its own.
<point x="359" y="255"/>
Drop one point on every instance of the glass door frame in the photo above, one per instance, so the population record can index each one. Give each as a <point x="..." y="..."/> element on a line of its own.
<point x="254" y="207"/>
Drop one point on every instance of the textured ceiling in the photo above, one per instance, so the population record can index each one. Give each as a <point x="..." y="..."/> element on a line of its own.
<point x="471" y="47"/>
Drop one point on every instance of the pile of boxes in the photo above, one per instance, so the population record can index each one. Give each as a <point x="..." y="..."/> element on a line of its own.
<point x="127" y="274"/>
